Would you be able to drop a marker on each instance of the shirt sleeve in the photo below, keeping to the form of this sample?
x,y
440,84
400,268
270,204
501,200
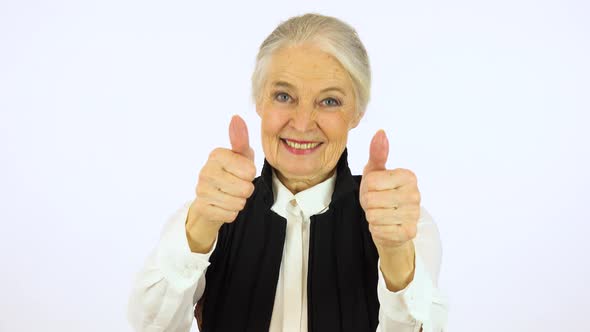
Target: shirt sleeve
x,y
171,281
421,304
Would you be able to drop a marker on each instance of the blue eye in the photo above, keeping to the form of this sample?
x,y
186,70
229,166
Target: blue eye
x,y
282,97
331,102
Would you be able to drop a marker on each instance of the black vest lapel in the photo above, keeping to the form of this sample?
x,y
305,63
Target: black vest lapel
x,y
342,274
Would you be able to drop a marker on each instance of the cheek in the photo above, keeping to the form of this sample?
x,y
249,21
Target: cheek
x,y
270,121
272,124
335,127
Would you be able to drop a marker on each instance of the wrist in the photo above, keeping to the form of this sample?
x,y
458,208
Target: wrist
x,y
397,265
396,253
201,235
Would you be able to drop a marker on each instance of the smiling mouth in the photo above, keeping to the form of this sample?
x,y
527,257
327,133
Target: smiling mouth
x,y
301,145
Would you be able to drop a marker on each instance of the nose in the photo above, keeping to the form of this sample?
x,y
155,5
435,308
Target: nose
x,y
303,119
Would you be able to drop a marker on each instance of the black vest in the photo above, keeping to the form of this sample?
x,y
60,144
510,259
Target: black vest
x,y
342,273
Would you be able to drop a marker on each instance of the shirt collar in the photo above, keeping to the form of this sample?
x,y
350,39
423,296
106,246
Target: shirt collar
x,y
312,200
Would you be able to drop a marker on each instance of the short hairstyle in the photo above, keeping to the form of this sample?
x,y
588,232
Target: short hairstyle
x,y
330,34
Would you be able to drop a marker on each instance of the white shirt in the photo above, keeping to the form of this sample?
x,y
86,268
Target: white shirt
x,y
173,278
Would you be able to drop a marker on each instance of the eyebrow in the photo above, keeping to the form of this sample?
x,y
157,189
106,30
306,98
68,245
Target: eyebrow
x,y
288,85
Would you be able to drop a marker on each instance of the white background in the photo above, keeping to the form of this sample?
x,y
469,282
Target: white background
x,y
108,109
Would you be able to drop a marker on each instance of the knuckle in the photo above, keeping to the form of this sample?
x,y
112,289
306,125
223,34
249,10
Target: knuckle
x,y
251,170
244,191
398,171
200,190
234,215
229,217
241,203
214,154
411,175
372,229
406,173
203,176
370,215
249,189
364,199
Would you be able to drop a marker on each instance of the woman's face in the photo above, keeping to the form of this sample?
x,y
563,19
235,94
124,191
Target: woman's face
x,y
307,107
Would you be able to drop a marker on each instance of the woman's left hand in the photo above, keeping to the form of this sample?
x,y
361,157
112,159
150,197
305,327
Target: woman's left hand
x,y
390,198
391,201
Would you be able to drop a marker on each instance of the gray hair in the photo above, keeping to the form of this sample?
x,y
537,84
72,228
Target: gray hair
x,y
333,36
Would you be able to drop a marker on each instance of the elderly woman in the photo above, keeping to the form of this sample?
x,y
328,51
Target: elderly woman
x,y
305,246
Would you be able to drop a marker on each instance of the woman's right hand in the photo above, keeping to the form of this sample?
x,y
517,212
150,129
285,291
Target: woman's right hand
x,y
224,185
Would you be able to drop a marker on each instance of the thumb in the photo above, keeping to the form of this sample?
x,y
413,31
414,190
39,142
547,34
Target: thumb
x,y
238,137
377,153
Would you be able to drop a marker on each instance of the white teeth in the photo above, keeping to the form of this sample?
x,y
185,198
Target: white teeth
x,y
299,146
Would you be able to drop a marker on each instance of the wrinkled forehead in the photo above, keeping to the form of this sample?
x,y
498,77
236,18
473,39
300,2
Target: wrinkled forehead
x,y
307,67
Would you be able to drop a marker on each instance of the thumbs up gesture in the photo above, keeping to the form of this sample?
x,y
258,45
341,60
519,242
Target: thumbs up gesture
x,y
390,198
224,185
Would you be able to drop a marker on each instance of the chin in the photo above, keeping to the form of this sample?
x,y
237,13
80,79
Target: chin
x,y
298,172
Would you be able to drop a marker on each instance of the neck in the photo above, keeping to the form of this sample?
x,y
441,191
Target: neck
x,y
296,185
